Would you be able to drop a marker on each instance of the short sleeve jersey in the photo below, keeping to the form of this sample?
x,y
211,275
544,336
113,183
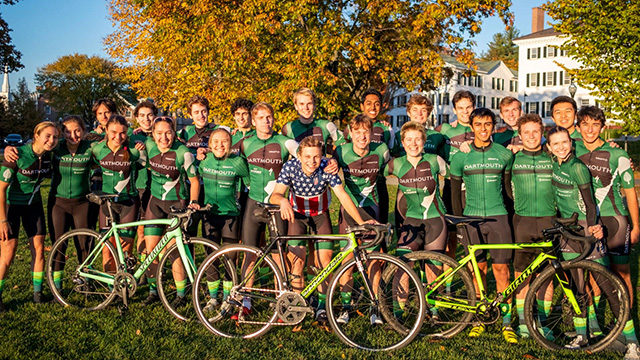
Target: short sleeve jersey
x,y
568,178
71,172
221,178
170,170
482,171
454,137
610,170
419,185
575,135
308,194
195,138
266,158
507,137
236,140
435,144
319,129
531,176
380,134
25,176
142,178
119,168
361,172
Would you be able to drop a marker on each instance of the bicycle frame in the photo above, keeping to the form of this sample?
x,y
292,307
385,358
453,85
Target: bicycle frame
x,y
471,258
176,234
336,261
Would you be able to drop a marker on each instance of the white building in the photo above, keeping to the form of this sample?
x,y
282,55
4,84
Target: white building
x,y
543,78
492,82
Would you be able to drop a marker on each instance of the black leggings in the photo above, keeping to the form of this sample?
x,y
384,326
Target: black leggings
x,y
65,214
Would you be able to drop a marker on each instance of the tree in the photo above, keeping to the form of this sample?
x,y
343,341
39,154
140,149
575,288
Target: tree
x,y
503,48
603,37
8,54
74,82
265,49
22,115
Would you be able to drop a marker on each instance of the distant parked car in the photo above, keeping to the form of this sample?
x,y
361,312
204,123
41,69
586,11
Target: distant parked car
x,y
13,140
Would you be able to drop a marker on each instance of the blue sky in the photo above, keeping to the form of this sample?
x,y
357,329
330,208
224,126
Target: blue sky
x,y
44,30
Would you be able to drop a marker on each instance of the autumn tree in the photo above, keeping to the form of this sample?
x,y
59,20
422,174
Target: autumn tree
x,y
603,37
265,49
74,82
9,56
503,48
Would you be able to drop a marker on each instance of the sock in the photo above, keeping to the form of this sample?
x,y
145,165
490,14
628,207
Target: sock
x,y
345,297
213,287
181,286
57,279
322,299
544,308
398,308
629,332
153,287
505,309
594,328
520,310
226,289
37,280
580,324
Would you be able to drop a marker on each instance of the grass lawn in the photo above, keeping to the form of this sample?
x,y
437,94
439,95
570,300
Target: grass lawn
x,y
50,331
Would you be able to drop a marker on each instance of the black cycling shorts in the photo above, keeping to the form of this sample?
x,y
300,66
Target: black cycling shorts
x,y
124,211
253,226
495,230
221,228
317,225
418,234
527,230
598,250
32,216
617,230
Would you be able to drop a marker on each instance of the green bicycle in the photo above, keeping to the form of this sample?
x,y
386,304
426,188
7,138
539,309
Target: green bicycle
x,y
93,278
558,301
258,279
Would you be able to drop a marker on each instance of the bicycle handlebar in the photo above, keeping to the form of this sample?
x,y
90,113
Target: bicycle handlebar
x,y
560,228
381,230
184,215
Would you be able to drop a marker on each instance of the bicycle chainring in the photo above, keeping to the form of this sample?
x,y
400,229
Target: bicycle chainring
x,y
487,314
285,302
126,280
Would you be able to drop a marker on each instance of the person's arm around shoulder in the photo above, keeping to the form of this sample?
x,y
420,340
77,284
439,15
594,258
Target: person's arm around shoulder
x,y
349,206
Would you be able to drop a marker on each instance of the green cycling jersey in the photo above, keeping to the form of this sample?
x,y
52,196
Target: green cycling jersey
x,y
454,137
319,129
361,172
71,172
531,176
221,178
25,176
119,168
568,179
170,170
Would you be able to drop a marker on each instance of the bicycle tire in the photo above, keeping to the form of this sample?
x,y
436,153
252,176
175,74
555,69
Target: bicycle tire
x,y
229,260
77,290
167,290
557,328
443,322
358,331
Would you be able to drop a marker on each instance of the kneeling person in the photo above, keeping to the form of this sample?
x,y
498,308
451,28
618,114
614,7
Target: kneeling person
x,y
307,209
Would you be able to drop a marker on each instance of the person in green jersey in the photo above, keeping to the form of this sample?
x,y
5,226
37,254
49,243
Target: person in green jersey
x,y
534,203
144,113
612,176
241,112
304,101
221,172
510,112
573,191
196,138
170,164
119,159
563,113
102,110
484,169
266,153
20,201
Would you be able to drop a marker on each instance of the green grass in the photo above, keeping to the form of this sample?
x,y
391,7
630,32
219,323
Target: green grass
x,y
50,331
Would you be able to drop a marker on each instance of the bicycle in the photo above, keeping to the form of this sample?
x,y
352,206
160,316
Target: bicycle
x,y
95,277
453,304
273,303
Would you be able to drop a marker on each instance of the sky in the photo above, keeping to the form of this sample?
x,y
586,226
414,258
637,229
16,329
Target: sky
x,y
44,30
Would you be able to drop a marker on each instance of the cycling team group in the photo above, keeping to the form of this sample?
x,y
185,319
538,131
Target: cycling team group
x,y
509,176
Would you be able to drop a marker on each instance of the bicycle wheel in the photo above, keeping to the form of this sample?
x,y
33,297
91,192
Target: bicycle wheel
x,y
68,285
350,306
602,298
442,321
240,309
179,303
